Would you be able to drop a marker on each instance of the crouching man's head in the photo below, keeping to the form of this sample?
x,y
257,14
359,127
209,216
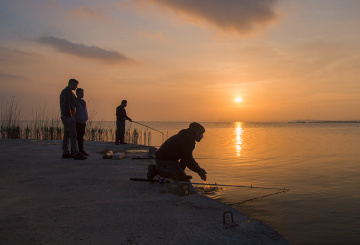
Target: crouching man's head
x,y
198,130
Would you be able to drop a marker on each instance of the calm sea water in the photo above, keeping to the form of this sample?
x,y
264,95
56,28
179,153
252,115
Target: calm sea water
x,y
318,162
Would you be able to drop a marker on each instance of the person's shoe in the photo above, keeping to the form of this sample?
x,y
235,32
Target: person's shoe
x,y
78,156
151,171
67,155
84,153
123,143
117,143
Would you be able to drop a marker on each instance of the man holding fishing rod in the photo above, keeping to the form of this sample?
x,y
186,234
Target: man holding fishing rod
x,y
121,117
175,154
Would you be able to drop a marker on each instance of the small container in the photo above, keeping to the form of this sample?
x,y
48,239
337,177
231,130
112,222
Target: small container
x,y
117,156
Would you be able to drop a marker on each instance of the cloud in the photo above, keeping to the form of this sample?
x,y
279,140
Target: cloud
x,y
87,12
84,51
240,16
16,55
10,77
152,35
12,84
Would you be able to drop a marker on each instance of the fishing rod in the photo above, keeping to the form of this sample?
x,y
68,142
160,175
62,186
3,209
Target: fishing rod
x,y
151,128
163,181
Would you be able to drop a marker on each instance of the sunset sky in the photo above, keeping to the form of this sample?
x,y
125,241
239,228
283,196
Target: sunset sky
x,y
185,60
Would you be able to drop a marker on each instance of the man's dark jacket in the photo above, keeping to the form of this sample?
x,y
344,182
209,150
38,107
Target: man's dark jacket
x,y
179,147
121,113
67,102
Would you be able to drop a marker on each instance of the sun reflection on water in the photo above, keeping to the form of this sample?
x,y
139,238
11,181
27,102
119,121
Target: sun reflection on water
x,y
238,140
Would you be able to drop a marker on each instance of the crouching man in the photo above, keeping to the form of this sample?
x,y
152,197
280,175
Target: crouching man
x,y
175,154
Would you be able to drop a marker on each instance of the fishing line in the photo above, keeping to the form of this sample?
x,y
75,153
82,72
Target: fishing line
x,y
255,198
163,181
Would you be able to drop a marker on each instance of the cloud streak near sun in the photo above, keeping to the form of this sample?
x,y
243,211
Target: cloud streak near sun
x,y
84,51
240,16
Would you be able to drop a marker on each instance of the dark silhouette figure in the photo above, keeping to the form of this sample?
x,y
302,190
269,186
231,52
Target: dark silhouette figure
x,y
68,105
81,117
175,154
121,117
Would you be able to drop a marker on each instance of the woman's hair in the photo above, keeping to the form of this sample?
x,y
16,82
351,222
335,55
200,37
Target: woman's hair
x,y
79,90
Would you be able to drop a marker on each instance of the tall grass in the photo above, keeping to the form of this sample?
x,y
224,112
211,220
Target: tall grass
x,y
43,126
10,114
48,126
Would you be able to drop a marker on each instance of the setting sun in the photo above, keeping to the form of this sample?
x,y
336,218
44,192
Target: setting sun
x,y
238,100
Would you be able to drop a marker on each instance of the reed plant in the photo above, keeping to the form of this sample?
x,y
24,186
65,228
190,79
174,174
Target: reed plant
x,y
48,126
10,123
105,131
44,126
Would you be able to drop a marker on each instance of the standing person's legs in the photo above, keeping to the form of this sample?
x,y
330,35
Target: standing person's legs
x,y
69,124
117,132
66,138
80,131
122,131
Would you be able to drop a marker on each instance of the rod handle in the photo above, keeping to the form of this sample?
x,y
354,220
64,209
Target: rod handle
x,y
146,180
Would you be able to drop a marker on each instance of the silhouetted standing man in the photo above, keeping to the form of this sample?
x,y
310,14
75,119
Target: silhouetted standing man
x,y
121,117
68,108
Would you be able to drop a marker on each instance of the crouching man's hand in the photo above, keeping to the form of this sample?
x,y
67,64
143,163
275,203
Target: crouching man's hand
x,y
202,173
